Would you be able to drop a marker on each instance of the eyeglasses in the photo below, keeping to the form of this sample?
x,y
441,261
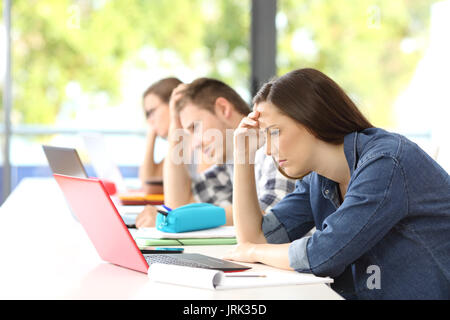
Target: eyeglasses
x,y
148,113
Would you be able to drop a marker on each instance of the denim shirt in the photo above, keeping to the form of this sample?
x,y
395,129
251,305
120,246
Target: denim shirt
x,y
389,238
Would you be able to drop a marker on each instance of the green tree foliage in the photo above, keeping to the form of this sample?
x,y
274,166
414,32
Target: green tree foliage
x,y
87,41
358,44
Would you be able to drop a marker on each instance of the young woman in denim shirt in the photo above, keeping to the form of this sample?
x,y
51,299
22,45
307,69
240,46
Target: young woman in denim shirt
x,y
379,204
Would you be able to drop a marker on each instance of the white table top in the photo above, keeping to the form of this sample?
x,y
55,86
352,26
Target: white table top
x,y
45,254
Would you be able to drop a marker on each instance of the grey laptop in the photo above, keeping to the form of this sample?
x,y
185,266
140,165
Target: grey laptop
x,y
66,161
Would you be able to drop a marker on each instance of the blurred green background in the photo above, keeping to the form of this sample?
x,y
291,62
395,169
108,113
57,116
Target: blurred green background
x,y
357,43
84,64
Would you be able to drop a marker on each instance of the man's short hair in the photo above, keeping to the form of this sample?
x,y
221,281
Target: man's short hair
x,y
203,93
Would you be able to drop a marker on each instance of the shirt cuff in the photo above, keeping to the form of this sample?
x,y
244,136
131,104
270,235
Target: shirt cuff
x,y
298,257
273,230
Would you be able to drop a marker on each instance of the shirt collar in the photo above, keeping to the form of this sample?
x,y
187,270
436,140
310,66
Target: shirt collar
x,y
329,187
330,191
350,151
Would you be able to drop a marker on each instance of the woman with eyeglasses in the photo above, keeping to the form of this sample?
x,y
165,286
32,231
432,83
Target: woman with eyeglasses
x,y
156,108
380,205
156,100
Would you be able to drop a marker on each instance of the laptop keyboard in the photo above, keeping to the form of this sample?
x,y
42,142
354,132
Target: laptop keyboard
x,y
171,259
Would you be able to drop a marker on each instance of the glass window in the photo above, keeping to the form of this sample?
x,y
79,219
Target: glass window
x,y
84,65
390,56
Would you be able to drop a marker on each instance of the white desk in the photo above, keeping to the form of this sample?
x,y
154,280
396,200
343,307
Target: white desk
x,y
45,254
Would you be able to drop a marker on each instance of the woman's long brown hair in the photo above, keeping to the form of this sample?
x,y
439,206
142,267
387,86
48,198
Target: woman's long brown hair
x,y
315,101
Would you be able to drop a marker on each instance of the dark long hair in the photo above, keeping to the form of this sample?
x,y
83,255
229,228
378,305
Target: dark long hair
x,y
317,102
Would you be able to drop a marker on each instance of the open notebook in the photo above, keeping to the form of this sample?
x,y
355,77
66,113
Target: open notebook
x,y
218,280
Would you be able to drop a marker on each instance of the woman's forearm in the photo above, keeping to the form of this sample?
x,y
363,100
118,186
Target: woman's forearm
x,y
247,216
275,255
149,169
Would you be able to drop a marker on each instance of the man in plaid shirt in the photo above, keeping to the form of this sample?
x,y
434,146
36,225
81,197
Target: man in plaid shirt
x,y
215,185
218,109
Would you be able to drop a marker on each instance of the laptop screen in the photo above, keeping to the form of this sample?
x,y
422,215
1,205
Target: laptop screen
x,y
97,214
64,161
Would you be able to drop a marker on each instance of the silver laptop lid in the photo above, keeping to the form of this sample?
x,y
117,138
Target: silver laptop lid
x,y
64,161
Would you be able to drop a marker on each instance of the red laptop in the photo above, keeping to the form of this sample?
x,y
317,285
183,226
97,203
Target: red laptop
x,y
96,212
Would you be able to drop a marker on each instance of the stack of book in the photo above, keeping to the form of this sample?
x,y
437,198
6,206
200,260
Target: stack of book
x,y
140,198
215,236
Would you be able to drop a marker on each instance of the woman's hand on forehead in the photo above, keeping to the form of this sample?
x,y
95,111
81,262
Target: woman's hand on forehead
x,y
258,107
254,115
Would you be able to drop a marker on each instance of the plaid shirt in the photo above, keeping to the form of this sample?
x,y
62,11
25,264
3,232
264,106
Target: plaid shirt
x,y
215,185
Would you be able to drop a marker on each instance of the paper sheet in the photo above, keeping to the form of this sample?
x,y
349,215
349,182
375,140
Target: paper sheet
x,y
218,280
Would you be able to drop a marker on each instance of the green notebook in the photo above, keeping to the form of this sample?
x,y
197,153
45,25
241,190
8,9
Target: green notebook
x,y
185,242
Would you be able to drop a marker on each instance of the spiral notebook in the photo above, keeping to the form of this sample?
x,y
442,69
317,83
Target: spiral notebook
x,y
218,280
